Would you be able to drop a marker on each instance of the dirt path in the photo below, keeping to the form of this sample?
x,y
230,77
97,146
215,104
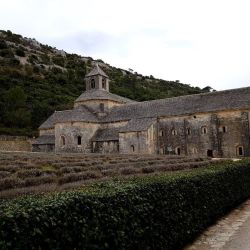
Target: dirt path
x,y
232,232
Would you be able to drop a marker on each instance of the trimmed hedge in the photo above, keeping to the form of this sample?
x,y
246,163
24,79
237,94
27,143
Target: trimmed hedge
x,y
153,212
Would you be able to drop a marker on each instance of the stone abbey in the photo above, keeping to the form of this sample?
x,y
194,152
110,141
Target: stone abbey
x,y
211,124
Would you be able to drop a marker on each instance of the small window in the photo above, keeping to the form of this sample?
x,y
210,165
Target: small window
x,y
162,151
178,150
240,151
132,148
103,83
174,132
79,140
195,151
62,141
204,130
92,83
194,116
188,131
161,133
102,107
223,129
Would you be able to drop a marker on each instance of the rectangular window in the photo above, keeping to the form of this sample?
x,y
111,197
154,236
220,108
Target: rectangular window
x,y
102,107
79,140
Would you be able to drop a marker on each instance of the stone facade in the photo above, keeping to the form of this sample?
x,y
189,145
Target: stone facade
x,y
211,124
15,143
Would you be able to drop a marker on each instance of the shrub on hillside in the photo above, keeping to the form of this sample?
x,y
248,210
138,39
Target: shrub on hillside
x,y
20,52
7,53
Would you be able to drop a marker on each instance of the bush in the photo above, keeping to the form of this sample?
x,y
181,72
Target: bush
x,y
4,174
36,181
152,212
79,176
20,52
29,173
9,183
6,53
3,44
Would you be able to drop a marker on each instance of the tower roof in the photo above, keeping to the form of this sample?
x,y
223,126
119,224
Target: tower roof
x,y
96,71
99,94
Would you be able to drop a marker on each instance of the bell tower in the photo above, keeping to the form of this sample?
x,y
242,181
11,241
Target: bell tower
x,y
97,79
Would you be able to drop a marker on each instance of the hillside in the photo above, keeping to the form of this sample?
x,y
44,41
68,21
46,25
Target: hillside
x,y
37,79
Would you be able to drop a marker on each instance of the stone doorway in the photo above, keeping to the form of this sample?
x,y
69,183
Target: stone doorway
x,y
209,153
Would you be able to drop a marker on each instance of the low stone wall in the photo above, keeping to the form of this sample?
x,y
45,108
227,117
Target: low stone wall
x,y
15,143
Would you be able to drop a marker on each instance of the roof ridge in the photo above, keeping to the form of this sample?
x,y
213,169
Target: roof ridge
x,y
202,94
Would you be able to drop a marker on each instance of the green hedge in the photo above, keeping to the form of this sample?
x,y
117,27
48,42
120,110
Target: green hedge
x,y
153,212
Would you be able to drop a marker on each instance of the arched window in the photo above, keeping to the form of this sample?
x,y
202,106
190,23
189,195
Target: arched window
x,y
239,151
188,131
79,140
204,130
162,151
178,150
92,83
132,148
62,141
174,132
104,83
161,133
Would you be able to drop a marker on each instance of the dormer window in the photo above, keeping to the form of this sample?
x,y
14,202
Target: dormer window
x,y
92,83
104,83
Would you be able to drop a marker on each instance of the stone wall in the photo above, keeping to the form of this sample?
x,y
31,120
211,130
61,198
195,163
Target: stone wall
x,y
47,131
219,134
106,147
71,132
134,142
14,143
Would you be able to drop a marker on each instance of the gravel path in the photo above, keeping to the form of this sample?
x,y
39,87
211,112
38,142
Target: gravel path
x,y
232,232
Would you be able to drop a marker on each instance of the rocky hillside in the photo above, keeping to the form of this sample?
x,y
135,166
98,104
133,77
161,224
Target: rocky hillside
x,y
37,79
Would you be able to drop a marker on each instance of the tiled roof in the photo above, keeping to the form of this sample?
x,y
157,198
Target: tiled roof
x,y
108,134
96,71
44,139
78,114
112,134
208,102
138,125
99,94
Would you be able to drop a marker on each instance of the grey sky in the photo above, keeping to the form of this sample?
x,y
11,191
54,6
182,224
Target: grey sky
x,y
199,42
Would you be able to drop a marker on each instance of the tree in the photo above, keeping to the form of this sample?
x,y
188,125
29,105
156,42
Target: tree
x,y
207,89
17,114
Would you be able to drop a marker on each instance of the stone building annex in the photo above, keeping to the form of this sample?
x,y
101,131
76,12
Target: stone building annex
x,y
212,124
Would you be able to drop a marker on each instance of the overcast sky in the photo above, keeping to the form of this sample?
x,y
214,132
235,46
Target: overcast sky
x,y
199,42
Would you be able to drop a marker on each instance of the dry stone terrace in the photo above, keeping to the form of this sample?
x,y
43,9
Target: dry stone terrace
x,y
25,173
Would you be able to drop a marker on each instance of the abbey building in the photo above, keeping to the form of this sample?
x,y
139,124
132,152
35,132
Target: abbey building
x,y
212,124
